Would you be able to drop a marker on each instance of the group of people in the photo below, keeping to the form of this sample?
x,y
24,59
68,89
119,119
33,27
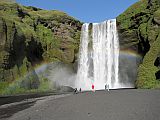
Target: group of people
x,y
93,89
76,91
106,87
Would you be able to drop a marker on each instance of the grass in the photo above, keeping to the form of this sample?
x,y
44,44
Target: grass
x,y
126,19
3,85
15,87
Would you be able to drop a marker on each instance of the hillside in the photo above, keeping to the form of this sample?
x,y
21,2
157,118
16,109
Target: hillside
x,y
139,30
30,36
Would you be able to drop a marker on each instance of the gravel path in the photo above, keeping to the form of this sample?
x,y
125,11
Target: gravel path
x,y
130,104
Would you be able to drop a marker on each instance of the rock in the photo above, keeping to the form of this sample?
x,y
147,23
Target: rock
x,y
157,62
157,74
65,89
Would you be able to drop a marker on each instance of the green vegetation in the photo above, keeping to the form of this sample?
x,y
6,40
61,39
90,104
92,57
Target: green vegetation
x,y
147,70
127,19
3,85
139,29
10,1
31,36
16,87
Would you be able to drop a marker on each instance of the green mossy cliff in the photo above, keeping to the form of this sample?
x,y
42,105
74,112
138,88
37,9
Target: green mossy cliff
x,y
139,30
30,36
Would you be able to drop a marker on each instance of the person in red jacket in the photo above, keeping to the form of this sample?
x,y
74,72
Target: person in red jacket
x,y
93,88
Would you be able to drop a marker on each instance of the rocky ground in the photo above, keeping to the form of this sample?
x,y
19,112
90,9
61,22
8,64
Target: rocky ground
x,y
131,104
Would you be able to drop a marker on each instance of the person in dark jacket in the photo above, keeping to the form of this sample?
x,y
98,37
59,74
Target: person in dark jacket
x,y
75,91
80,90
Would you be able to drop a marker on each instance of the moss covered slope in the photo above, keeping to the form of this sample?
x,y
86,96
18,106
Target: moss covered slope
x,y
139,29
30,36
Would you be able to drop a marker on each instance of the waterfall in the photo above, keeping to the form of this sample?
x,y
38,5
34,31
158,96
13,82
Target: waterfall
x,y
99,56
83,66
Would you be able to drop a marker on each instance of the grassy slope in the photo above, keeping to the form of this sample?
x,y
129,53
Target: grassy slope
x,y
138,21
33,30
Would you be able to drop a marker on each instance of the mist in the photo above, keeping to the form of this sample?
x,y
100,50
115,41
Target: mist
x,y
61,74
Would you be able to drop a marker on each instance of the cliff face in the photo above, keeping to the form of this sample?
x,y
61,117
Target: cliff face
x,y
30,36
139,29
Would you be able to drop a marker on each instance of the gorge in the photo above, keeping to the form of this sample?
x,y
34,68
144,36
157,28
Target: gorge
x,y
31,38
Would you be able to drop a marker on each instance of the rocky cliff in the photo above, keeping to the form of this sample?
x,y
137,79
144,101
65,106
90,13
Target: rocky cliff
x,y
139,30
30,36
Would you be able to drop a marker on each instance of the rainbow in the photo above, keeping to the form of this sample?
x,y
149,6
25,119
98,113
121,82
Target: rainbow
x,y
130,53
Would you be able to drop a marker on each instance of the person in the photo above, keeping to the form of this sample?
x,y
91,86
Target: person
x,y
93,88
75,91
80,90
108,87
105,86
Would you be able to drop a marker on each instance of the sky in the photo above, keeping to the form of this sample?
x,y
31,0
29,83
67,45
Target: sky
x,y
84,10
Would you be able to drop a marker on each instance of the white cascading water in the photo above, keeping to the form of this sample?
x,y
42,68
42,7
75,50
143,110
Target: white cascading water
x,y
102,66
83,66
